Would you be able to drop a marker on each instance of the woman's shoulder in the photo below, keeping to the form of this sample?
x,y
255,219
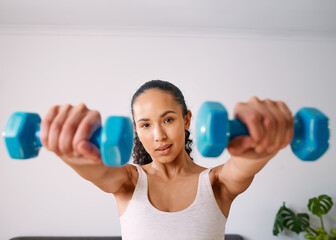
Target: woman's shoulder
x,y
133,173
214,173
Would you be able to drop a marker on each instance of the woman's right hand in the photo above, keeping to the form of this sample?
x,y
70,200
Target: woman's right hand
x,y
66,130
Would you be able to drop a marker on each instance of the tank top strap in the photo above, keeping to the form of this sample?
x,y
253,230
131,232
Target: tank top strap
x,y
205,175
141,188
205,185
140,170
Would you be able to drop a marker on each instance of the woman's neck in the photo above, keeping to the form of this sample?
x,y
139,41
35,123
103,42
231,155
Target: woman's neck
x,y
180,166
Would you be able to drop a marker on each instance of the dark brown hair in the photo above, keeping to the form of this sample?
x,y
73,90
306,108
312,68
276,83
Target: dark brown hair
x,y
140,155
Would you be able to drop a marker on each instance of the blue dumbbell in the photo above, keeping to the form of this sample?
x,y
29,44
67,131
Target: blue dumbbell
x,y
214,130
114,139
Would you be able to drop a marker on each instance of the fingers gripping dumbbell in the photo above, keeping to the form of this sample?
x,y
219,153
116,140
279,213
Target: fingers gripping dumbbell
x,y
114,139
214,130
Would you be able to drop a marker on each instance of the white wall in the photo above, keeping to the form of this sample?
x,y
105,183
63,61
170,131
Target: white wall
x,y
45,197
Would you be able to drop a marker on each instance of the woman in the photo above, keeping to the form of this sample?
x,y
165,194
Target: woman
x,y
166,195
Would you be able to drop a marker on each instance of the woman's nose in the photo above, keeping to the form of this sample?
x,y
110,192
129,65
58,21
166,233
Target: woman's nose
x,y
159,133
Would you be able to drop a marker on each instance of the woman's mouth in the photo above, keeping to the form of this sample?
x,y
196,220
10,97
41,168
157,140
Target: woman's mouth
x,y
164,150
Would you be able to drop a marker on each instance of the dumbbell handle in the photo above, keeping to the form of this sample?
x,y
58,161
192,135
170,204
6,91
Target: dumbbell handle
x,y
238,128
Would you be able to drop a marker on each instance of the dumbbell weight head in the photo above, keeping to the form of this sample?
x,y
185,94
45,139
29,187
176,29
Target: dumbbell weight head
x,y
20,135
116,141
311,134
212,129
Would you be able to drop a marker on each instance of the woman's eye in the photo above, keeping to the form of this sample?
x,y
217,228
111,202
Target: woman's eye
x,y
145,125
169,120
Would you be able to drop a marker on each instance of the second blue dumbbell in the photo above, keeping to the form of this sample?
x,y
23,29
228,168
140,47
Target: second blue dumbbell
x,y
214,130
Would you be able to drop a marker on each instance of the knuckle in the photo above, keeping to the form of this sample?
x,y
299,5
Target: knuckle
x,y
54,108
269,122
85,127
95,113
46,122
66,106
55,126
255,117
51,113
81,107
281,103
254,99
239,104
69,126
268,102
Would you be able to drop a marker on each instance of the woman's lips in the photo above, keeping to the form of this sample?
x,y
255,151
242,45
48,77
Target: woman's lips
x,y
164,150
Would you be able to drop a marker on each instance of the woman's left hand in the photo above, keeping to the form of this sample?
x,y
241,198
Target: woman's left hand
x,y
271,128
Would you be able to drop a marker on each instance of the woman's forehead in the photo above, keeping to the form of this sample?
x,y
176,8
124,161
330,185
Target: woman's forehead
x,y
153,101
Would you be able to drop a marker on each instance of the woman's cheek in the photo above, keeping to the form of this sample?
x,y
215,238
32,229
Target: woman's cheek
x,y
145,139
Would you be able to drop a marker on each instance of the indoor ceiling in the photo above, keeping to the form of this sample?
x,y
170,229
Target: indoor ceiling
x,y
312,16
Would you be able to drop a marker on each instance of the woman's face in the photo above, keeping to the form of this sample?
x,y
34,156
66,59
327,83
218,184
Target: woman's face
x,y
160,124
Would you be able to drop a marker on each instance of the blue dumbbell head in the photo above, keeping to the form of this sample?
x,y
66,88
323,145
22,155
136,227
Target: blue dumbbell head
x,y
19,135
311,134
116,141
212,129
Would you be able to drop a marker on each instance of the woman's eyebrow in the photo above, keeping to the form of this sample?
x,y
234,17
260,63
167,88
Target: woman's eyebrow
x,y
166,112
162,115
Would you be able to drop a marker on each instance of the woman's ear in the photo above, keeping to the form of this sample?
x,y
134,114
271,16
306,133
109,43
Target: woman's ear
x,y
187,120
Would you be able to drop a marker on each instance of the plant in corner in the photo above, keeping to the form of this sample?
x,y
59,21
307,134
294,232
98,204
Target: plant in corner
x,y
287,219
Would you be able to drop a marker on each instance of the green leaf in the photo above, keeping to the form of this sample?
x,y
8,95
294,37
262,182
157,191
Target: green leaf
x,y
310,236
296,223
323,237
321,234
320,205
321,231
333,231
278,223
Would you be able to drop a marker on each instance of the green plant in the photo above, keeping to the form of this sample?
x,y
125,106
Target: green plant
x,y
287,219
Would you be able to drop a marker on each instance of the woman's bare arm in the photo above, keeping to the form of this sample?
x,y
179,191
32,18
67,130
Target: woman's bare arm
x,y
66,130
270,126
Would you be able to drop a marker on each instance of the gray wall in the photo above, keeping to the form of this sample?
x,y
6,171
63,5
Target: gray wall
x,y
37,70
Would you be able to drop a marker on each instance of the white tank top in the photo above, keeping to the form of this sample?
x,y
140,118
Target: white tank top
x,y
202,220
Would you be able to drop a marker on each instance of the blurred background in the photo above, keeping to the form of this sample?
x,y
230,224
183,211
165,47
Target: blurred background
x,y
99,52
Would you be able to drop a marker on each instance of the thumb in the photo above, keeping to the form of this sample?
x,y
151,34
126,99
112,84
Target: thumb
x,y
240,144
89,151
